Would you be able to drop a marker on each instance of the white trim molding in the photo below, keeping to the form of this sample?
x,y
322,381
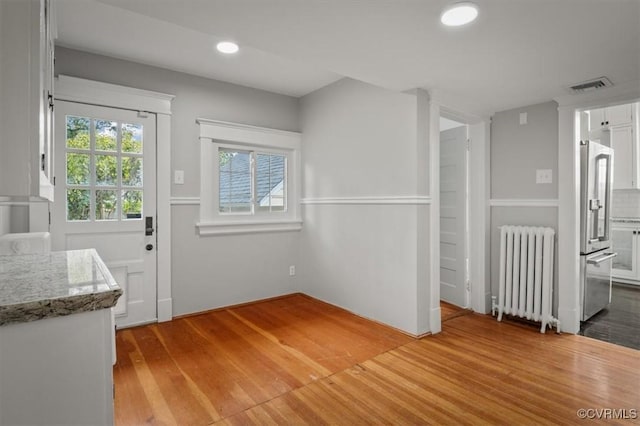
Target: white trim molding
x,y
524,202
185,201
80,90
235,228
216,135
401,199
75,89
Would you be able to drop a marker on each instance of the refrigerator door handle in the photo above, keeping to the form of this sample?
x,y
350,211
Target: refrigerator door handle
x,y
605,256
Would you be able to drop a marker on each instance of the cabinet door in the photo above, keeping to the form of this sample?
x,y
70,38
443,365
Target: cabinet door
x,y
624,242
596,119
619,115
625,167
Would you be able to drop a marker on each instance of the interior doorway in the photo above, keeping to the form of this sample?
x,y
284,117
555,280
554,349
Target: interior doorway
x,y
454,214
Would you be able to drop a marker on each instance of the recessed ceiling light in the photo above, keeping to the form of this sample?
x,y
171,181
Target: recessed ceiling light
x,y
459,14
227,47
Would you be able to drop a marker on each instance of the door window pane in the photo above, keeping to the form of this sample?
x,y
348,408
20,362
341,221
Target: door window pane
x,y
132,204
78,132
132,138
106,181
131,171
106,135
78,204
106,170
106,205
78,169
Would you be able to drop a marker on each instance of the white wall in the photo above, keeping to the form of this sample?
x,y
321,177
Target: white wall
x,y
370,257
215,271
517,150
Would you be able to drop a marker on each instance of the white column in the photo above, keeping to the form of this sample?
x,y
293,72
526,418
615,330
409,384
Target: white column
x,y
568,221
435,322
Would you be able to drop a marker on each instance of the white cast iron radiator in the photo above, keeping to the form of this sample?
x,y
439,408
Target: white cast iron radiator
x,y
526,274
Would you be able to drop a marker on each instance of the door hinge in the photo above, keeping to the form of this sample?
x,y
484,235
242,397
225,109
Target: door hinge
x,y
468,285
49,217
468,144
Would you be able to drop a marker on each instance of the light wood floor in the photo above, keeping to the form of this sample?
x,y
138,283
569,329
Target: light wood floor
x,y
299,361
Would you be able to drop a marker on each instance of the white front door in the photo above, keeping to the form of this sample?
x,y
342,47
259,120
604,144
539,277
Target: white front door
x,y
105,198
453,208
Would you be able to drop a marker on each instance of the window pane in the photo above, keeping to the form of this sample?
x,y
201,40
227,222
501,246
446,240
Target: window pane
x,y
106,170
235,181
132,204
270,172
106,135
78,202
106,205
131,171
132,138
78,132
77,169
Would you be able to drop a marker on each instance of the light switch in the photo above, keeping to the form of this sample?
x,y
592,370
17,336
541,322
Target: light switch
x,y
178,177
523,118
544,176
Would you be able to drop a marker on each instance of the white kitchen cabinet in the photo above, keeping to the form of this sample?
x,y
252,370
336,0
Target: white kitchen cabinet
x,y
26,99
604,118
57,371
625,160
625,241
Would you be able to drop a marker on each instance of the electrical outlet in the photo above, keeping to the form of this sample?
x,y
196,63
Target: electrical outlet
x,y
544,176
292,270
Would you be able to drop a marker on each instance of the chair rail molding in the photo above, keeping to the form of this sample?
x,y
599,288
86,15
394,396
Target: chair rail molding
x,y
372,200
524,202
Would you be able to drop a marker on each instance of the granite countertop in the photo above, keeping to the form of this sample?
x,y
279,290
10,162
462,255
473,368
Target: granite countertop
x,y
626,219
39,286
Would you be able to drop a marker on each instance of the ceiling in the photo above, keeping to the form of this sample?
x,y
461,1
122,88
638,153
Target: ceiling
x,y
518,52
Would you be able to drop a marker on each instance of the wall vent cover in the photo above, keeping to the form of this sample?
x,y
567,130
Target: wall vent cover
x,y
590,85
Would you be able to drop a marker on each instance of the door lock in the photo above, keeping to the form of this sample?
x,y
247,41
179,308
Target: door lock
x,y
148,226
149,247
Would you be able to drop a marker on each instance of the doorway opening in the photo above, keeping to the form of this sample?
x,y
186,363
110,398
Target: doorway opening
x,y
616,319
454,217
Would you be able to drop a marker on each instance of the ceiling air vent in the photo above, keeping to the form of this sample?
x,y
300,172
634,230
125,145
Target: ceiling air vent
x,y
588,86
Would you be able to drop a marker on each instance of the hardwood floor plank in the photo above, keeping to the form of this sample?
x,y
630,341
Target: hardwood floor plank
x,y
283,362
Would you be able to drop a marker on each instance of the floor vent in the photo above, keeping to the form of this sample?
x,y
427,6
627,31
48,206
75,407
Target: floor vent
x,y
588,86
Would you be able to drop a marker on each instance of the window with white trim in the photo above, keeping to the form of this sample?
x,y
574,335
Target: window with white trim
x,y
249,179
251,182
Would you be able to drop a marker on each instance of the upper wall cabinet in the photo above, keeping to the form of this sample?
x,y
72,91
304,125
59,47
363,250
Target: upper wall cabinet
x,y
26,99
617,127
604,118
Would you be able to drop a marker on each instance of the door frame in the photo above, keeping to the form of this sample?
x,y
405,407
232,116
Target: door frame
x,y
478,243
466,159
569,108
91,92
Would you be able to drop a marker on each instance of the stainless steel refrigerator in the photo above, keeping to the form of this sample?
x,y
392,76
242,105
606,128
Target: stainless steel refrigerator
x,y
596,176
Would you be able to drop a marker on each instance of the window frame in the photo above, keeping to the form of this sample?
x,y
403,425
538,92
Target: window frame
x,y
253,154
216,135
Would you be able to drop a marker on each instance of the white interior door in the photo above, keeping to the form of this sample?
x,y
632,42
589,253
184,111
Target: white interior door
x,y
106,196
453,216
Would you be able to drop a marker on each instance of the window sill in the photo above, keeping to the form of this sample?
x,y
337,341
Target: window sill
x,y
252,227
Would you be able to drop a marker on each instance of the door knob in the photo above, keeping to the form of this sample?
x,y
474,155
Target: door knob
x,y
149,247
